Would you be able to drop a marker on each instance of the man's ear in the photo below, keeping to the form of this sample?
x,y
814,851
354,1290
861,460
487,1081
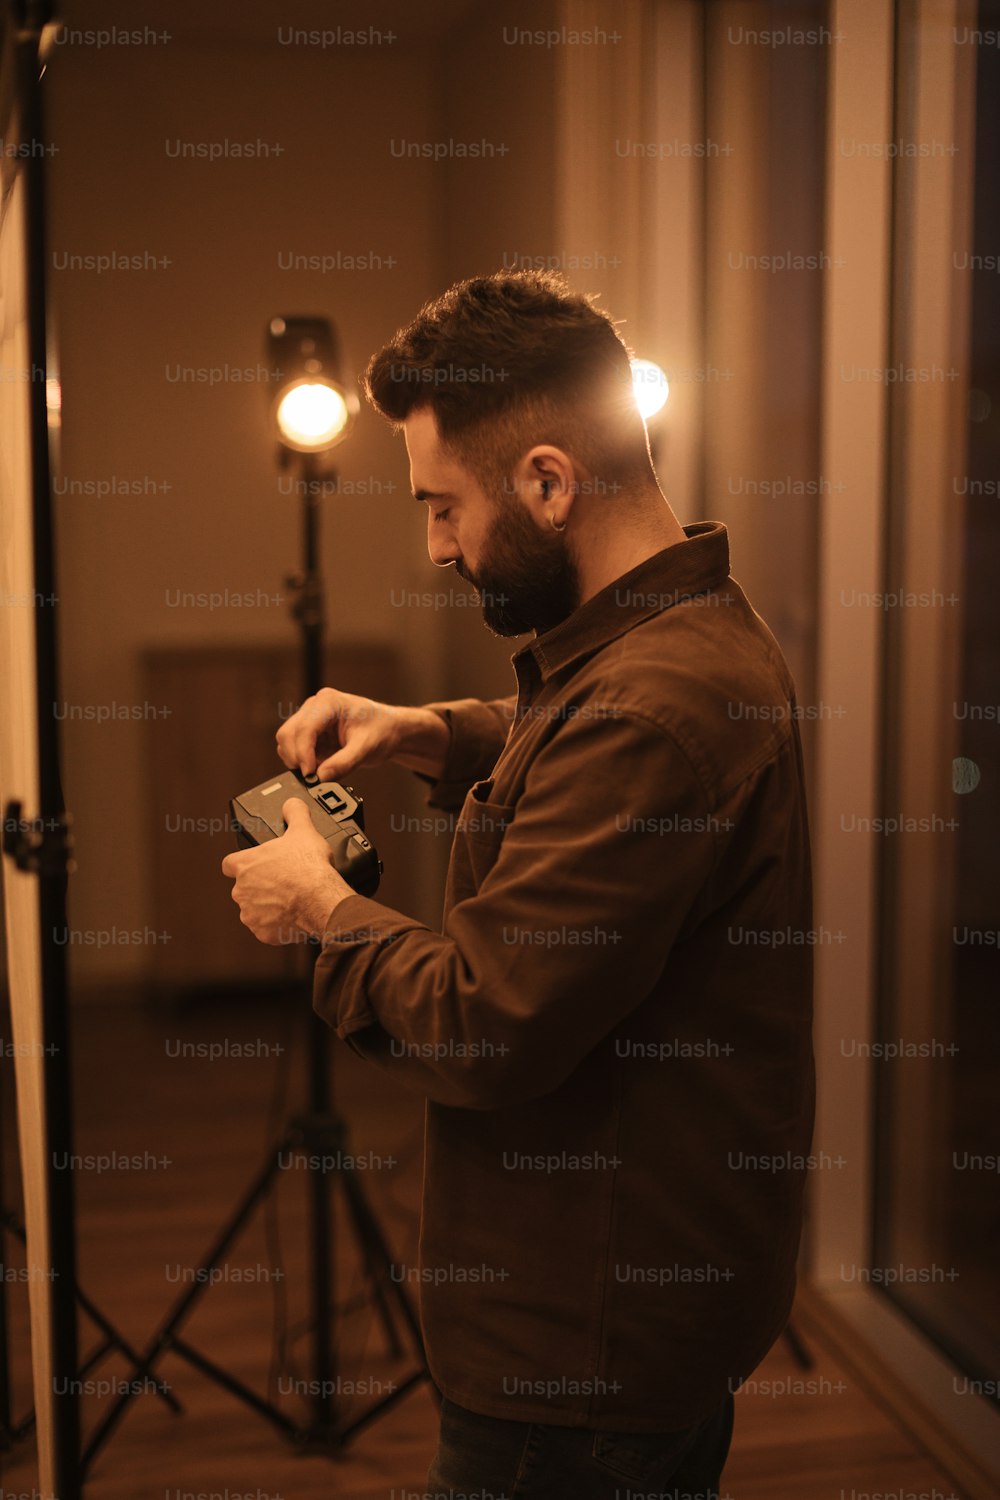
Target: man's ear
x,y
546,481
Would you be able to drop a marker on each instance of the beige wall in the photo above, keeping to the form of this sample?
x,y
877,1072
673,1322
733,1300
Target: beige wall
x,y
764,198
495,212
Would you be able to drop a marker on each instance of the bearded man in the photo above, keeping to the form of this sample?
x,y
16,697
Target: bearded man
x,y
614,1048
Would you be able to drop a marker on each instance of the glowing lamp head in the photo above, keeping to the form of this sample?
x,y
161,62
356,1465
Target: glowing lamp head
x,y
312,415
650,387
312,404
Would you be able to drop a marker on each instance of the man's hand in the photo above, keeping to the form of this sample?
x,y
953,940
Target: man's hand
x,y
334,733
287,888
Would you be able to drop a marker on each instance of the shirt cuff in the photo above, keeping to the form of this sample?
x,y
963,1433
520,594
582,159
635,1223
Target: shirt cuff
x,y
357,934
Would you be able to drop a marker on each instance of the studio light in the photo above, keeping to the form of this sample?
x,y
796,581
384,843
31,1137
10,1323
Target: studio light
x,y
314,407
650,386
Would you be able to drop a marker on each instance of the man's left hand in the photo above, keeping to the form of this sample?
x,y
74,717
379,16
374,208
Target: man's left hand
x,y
287,888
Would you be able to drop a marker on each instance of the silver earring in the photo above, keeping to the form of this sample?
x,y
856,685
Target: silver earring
x,y
555,524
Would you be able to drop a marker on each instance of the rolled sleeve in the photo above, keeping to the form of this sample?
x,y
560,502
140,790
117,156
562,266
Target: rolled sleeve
x,y
604,855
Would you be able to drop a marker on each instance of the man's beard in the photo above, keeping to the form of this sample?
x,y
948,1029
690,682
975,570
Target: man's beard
x,y
527,578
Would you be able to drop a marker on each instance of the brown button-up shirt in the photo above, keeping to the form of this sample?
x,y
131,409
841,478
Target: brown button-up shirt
x,y
613,1029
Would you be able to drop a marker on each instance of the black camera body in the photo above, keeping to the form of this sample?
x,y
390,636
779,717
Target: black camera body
x,y
337,813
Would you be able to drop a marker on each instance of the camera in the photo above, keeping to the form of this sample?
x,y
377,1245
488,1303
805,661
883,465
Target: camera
x,y
337,812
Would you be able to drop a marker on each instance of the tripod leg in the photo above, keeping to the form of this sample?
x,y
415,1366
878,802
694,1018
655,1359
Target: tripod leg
x,y
230,1383
800,1353
374,1255
114,1340
379,1263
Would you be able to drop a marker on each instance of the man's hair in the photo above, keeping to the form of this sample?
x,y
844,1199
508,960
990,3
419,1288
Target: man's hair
x,y
510,360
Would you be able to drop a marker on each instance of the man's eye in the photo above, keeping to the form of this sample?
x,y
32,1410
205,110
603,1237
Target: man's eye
x,y
442,515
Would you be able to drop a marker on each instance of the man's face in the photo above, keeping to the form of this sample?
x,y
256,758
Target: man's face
x,y
524,573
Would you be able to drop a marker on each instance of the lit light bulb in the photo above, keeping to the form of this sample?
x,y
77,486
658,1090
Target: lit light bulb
x,y
650,386
311,415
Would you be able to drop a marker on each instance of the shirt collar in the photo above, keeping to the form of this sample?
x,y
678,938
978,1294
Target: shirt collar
x,y
677,572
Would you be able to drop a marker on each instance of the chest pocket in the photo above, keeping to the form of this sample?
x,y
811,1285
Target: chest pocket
x,y
479,833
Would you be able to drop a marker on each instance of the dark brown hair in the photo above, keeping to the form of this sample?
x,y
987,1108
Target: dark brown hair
x,y
510,360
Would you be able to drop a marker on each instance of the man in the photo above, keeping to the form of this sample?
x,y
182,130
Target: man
x,y
613,1044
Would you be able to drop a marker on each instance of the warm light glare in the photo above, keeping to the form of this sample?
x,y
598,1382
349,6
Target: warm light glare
x,y
650,385
311,416
53,402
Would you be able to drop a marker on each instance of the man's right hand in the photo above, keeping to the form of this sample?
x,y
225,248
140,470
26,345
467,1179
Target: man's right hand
x,y
333,733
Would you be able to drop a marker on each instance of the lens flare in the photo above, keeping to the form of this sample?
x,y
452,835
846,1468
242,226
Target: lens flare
x,y
650,386
311,415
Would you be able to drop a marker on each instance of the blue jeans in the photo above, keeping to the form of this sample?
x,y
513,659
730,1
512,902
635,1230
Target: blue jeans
x,y
493,1459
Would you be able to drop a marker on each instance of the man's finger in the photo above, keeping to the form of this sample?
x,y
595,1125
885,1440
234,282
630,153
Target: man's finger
x,y
346,759
336,766
296,814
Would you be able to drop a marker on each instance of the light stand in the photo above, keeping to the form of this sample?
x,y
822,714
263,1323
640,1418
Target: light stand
x,y
325,1129
307,351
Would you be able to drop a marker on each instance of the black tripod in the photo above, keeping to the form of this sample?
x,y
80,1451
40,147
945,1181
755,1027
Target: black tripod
x,y
12,1432
321,1135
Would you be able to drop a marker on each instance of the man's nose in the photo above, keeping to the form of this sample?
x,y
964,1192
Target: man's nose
x,y
442,547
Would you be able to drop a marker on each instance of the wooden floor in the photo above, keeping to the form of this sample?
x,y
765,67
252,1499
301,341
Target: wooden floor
x,y
800,1435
